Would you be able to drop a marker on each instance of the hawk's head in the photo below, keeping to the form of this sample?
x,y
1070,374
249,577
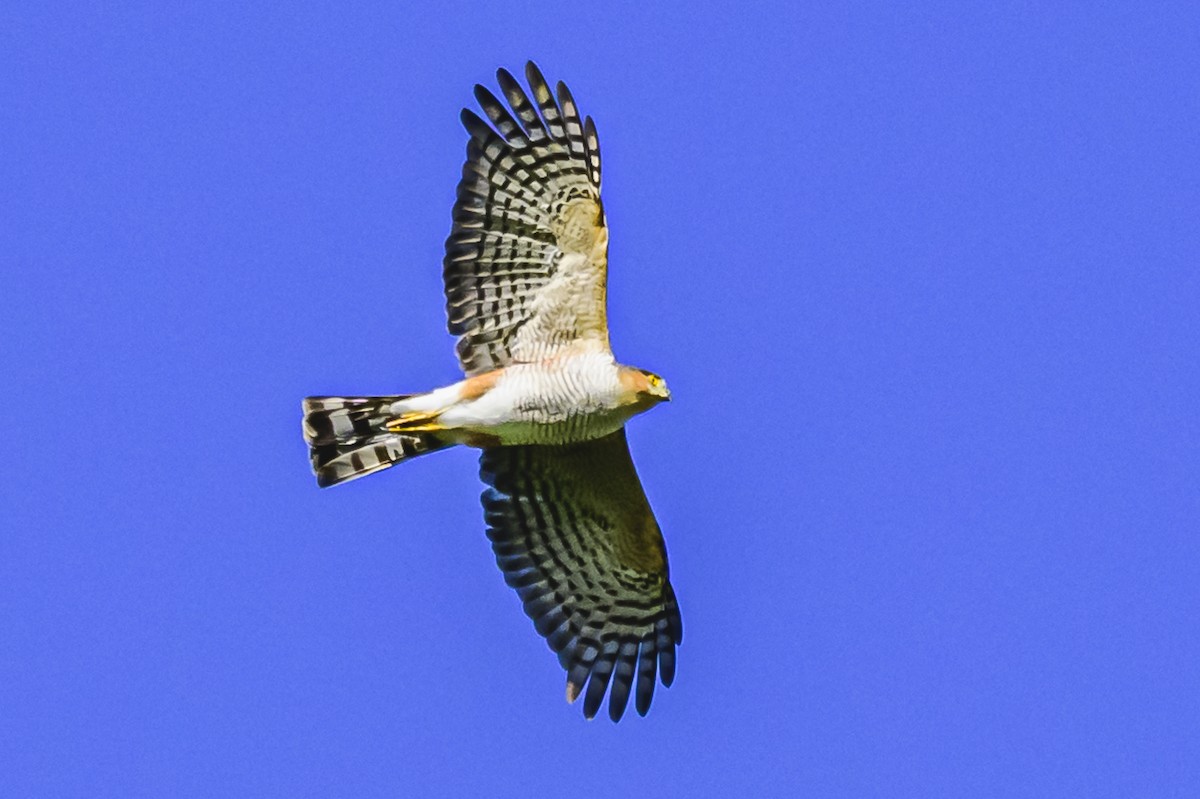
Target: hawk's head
x,y
656,387
643,388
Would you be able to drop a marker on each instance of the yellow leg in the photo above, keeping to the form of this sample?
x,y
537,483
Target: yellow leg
x,y
416,422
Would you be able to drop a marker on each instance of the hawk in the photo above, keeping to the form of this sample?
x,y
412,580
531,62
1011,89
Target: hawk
x,y
543,398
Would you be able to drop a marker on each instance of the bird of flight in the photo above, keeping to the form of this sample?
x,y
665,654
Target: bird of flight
x,y
543,398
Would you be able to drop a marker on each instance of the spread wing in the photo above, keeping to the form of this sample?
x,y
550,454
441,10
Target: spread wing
x,y
527,257
574,535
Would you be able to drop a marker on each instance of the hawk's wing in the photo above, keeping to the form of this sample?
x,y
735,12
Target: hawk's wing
x,y
527,257
574,534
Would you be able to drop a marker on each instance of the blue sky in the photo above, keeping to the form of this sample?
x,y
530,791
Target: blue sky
x,y
923,280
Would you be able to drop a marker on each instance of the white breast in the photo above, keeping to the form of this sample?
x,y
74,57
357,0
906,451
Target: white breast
x,y
569,399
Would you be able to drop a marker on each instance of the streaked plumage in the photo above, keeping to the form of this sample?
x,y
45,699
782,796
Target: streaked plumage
x,y
525,275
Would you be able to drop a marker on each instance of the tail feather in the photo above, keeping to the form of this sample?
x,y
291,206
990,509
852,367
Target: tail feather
x,y
348,438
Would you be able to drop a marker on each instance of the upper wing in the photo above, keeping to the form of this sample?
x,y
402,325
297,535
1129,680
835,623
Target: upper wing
x,y
574,534
527,257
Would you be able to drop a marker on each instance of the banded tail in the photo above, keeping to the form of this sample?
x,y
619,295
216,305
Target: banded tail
x,y
349,439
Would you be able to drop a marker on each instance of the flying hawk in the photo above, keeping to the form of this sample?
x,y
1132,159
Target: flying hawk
x,y
543,398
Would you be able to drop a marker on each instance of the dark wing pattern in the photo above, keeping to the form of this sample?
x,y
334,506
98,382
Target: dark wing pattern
x,y
574,535
526,260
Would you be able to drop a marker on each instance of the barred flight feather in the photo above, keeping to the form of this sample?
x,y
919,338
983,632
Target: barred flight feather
x,y
558,519
518,213
347,438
